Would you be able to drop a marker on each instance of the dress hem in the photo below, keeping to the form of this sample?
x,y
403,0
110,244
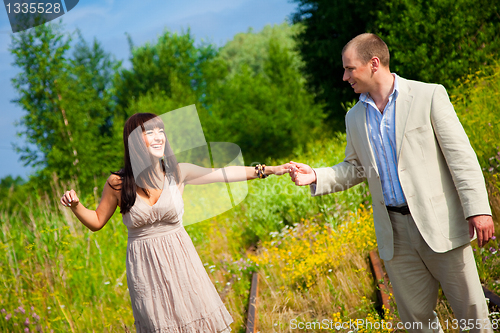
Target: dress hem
x,y
216,322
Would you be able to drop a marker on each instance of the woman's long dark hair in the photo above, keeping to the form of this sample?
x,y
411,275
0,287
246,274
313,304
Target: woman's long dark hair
x,y
135,146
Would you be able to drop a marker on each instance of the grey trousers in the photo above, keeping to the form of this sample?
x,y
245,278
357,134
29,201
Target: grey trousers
x,y
416,271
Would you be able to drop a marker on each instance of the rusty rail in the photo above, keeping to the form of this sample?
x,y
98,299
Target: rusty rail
x,y
381,279
494,298
252,305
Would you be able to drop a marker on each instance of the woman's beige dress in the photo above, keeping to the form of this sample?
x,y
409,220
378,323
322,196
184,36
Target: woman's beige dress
x,y
169,287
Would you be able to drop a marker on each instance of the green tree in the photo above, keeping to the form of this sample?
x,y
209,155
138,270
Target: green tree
x,y
102,67
440,40
328,26
40,53
172,60
268,114
263,103
433,41
68,105
8,184
258,101
252,48
13,193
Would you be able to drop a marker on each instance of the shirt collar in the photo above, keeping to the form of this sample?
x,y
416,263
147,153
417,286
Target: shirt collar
x,y
365,98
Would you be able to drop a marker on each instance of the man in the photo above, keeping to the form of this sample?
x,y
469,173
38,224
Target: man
x,y
426,184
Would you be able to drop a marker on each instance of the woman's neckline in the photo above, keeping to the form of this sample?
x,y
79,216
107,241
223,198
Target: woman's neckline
x,y
159,197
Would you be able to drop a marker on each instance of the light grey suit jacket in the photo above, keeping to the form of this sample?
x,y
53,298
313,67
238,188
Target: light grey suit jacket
x,y
437,167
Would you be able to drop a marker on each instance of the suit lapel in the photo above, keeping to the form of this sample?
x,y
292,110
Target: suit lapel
x,y
403,105
362,124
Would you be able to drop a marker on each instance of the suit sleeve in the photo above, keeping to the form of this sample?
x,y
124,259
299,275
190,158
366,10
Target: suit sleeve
x,y
342,176
460,157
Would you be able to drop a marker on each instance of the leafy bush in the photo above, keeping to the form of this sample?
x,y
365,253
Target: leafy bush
x,y
438,41
476,103
275,202
311,248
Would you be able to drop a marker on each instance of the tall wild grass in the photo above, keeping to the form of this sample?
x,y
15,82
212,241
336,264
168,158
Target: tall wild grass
x,y
311,253
476,101
56,275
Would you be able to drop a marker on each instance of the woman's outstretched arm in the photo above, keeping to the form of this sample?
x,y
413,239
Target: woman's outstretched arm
x,y
196,175
94,219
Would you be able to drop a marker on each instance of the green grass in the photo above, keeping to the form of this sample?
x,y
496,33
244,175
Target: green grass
x,y
55,269
68,279
55,275
476,102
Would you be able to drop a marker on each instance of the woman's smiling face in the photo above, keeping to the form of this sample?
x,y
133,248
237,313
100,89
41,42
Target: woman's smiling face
x,y
155,141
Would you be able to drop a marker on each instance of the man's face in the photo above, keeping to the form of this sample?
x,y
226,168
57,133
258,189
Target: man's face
x,y
358,75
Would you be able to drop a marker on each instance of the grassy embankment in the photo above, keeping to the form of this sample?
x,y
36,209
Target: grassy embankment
x,y
56,275
476,102
312,252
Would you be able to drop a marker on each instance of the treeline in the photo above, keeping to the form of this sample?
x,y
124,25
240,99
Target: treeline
x,y
439,41
270,92
77,97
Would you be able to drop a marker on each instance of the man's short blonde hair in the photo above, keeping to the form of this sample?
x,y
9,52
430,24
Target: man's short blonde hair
x,y
367,46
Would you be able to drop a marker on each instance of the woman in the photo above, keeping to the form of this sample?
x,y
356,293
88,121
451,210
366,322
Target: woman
x,y
169,287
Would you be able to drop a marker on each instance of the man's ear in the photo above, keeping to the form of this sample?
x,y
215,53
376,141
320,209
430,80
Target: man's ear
x,y
375,64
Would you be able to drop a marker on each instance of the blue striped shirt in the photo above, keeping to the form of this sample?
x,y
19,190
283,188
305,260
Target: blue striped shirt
x,y
382,133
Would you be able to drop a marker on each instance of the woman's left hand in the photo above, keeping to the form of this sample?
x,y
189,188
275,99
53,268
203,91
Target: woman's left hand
x,y
282,169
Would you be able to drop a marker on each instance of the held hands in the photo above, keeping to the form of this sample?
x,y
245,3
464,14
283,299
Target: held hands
x,y
70,199
282,169
483,224
302,174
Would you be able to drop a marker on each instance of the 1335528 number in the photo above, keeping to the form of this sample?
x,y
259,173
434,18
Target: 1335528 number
x,y
32,8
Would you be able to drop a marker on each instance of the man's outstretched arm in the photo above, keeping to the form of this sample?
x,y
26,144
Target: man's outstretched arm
x,y
327,180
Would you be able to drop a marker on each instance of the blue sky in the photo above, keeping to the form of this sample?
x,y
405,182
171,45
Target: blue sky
x,y
216,21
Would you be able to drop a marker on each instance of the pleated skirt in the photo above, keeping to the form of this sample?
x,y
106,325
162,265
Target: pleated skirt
x,y
169,288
